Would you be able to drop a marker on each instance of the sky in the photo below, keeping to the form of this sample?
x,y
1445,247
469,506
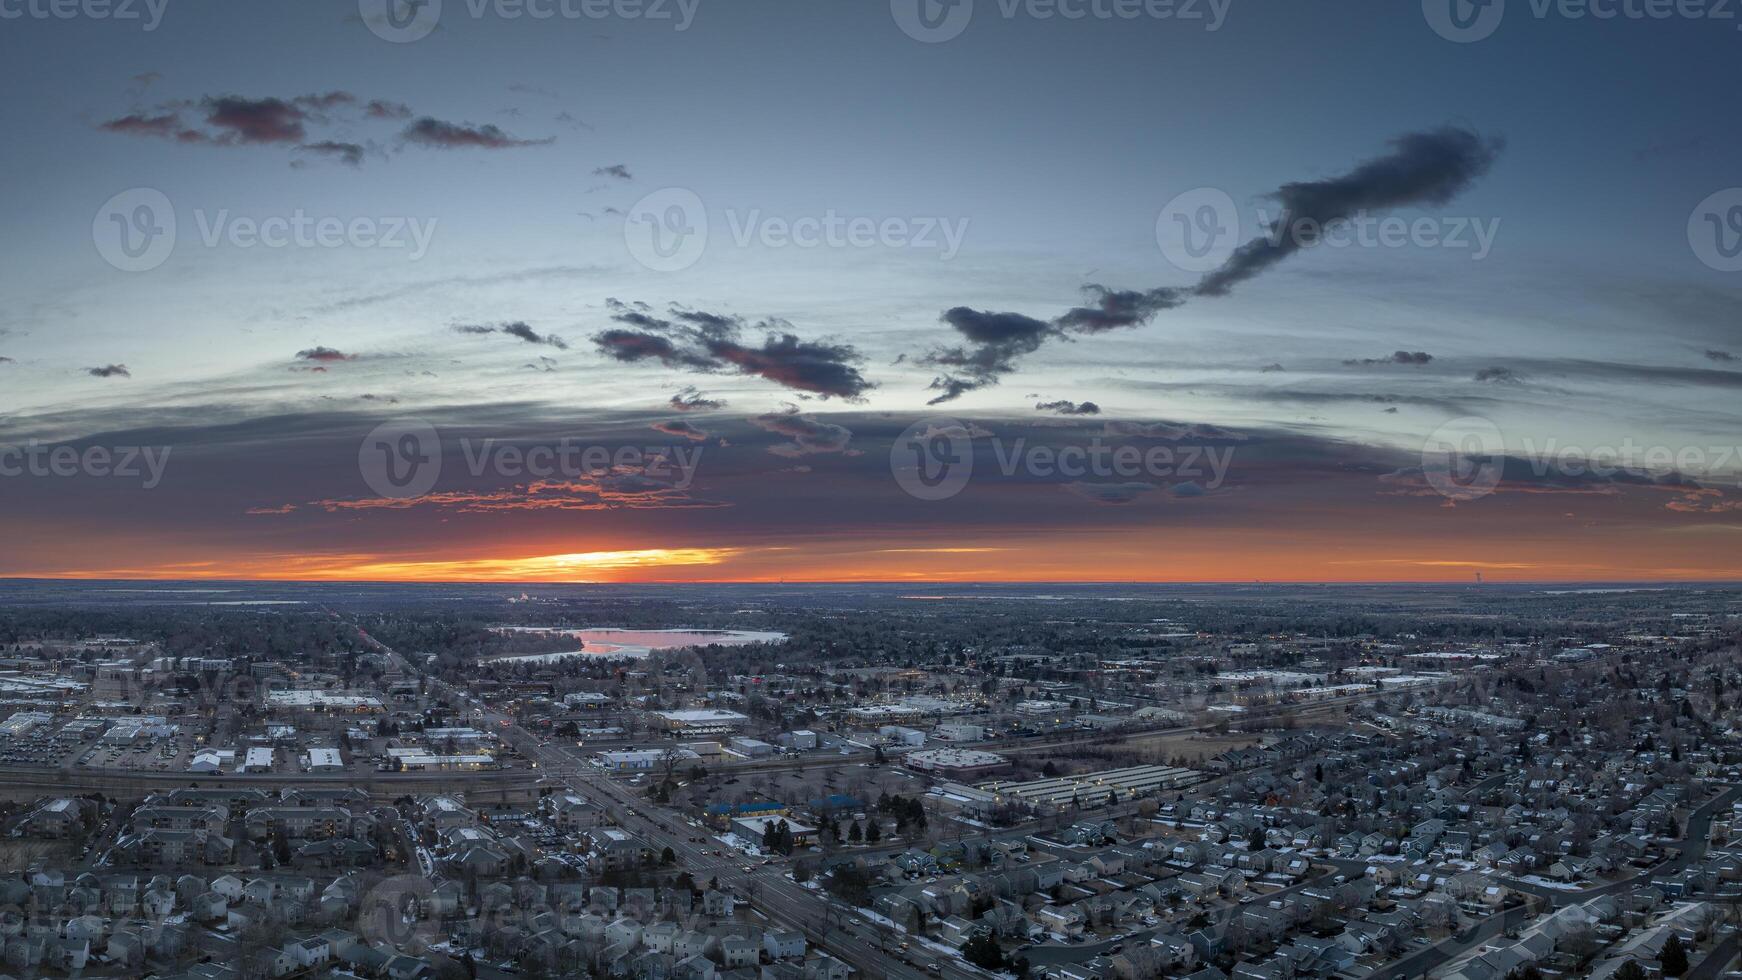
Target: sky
x,y
1098,290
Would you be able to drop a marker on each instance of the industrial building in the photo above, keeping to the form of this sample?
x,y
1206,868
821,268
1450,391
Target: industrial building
x,y
1126,783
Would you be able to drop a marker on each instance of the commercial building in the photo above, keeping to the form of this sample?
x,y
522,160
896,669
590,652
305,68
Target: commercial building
x,y
956,763
324,760
701,721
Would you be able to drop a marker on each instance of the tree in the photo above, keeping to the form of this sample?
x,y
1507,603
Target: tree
x,y
1674,957
873,833
667,856
1630,971
983,951
855,835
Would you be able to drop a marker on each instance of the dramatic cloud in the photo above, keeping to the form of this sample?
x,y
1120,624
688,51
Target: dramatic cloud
x,y
1115,309
691,400
518,328
324,354
994,342
809,436
1423,168
1064,407
681,429
109,371
698,340
432,132
1397,357
616,170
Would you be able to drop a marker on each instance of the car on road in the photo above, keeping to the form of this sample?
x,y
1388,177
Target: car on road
x,y
934,967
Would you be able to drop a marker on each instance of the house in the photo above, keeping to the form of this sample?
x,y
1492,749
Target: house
x,y
783,944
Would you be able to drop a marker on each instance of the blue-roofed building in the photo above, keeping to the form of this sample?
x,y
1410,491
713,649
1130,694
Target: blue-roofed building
x,y
836,804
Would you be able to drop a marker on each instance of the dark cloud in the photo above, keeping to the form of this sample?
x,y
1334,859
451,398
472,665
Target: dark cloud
x,y
109,371
518,328
385,109
681,429
432,132
1397,357
702,341
616,170
691,400
167,125
324,354
270,120
1720,355
1422,168
1271,368
7,360
1115,309
1065,407
994,342
1110,493
1499,375
350,154
809,435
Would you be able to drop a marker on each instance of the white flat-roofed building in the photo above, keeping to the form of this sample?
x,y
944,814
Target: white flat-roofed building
x,y
702,721
324,760
22,722
426,759
323,701
1095,787
258,759
633,759
955,762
